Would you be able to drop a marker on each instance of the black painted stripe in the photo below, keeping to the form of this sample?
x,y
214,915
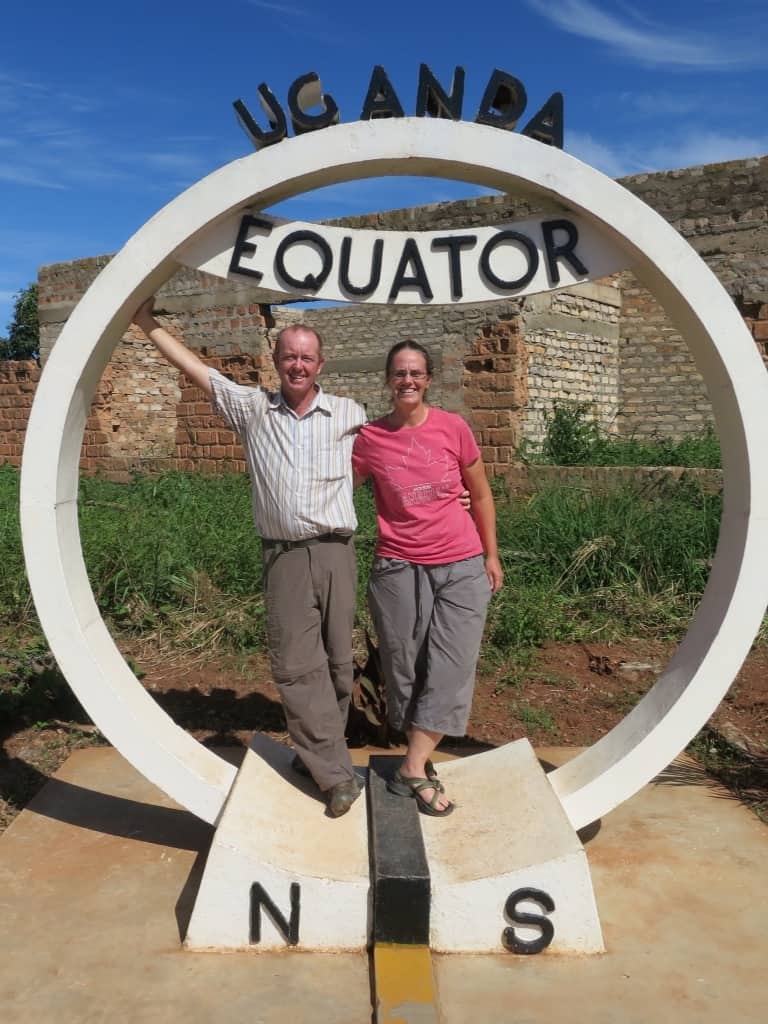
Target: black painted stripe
x,y
399,869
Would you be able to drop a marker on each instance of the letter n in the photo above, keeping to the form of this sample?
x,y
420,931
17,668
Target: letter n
x,y
288,929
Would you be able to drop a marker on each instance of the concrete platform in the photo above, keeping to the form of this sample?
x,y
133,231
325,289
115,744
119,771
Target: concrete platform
x,y
98,877
274,831
500,841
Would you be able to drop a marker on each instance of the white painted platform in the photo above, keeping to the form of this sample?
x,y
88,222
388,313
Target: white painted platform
x,y
274,831
509,832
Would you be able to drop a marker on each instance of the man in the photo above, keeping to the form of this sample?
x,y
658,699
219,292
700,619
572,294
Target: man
x,y
298,445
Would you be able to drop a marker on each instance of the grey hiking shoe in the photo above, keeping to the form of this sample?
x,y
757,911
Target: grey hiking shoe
x,y
341,796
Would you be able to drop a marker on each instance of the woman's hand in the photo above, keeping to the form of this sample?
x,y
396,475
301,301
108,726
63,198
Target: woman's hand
x,y
494,572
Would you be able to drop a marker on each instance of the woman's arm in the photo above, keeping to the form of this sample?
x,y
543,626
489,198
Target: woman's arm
x,y
484,512
171,348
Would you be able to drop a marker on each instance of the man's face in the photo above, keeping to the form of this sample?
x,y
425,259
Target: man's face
x,y
298,362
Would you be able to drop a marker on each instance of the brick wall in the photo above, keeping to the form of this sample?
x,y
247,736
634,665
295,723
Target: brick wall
x,y
495,383
18,380
146,417
609,342
499,364
756,318
357,339
722,210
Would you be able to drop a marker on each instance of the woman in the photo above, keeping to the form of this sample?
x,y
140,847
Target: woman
x,y
430,584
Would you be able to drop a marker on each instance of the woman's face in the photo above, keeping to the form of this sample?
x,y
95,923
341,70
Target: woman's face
x,y
408,378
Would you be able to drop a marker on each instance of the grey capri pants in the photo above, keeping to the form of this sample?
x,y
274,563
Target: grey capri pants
x,y
429,620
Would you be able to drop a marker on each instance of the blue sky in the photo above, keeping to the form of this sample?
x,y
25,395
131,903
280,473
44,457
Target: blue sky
x,y
108,111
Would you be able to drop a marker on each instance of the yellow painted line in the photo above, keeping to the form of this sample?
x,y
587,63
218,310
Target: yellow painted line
x,y
404,984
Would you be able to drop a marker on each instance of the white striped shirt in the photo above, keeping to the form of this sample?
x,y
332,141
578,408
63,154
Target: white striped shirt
x,y
300,466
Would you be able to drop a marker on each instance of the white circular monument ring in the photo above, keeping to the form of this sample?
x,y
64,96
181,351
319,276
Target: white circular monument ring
x,y
731,609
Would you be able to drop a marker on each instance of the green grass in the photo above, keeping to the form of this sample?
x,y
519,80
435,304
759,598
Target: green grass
x,y
534,718
179,554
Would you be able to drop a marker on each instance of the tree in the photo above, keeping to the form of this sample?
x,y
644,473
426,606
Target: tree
x,y
23,341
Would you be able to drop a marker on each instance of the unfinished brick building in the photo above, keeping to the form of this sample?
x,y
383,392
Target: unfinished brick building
x,y
502,364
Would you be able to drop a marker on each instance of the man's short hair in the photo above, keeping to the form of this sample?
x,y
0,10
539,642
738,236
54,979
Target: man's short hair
x,y
297,327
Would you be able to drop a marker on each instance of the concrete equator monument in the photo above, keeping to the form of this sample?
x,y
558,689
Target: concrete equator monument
x,y
732,606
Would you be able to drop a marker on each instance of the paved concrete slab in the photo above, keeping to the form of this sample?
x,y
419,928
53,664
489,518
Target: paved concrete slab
x,y
680,879
98,876
97,881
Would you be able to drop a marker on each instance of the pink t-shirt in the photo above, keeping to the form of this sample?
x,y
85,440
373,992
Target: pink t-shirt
x,y
416,479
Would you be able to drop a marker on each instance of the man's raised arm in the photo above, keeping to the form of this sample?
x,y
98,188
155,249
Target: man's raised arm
x,y
171,348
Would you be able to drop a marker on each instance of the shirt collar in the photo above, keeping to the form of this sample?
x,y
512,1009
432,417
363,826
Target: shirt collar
x,y
320,402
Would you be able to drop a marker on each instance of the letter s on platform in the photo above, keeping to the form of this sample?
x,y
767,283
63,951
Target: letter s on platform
x,y
509,938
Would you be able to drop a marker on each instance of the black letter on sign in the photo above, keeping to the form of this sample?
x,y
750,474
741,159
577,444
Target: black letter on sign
x,y
288,929
531,253
381,99
454,244
418,280
274,113
307,92
431,98
373,281
510,940
503,101
564,251
310,282
245,248
547,125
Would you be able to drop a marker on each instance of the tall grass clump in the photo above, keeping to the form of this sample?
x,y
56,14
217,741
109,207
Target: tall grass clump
x,y
15,600
573,438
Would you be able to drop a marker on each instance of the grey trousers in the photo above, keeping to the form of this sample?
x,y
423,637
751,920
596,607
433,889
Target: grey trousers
x,y
429,620
310,603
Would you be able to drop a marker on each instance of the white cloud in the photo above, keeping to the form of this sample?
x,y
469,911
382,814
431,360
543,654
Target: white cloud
x,y
703,148
667,104
278,8
610,161
686,149
48,142
313,26
23,174
636,37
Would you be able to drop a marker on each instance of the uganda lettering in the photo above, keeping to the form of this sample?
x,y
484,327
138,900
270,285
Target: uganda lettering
x,y
503,104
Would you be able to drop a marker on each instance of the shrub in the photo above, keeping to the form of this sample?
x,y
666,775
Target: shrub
x,y
573,438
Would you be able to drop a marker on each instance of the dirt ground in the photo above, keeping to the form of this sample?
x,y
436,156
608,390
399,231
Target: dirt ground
x,y
567,695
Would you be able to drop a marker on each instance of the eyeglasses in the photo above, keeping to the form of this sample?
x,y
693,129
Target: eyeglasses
x,y
413,374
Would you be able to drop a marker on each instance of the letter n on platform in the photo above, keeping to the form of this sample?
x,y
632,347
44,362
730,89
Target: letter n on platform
x,y
265,887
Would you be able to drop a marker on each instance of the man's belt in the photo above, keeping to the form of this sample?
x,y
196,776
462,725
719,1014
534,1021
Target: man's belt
x,y
277,546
